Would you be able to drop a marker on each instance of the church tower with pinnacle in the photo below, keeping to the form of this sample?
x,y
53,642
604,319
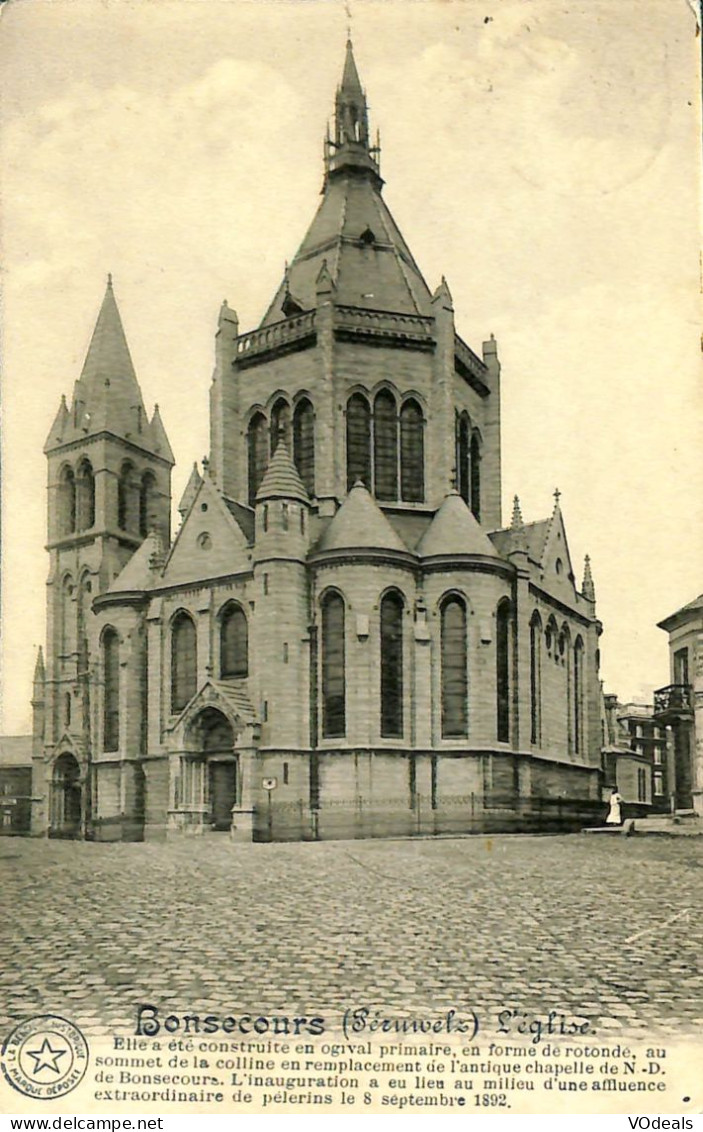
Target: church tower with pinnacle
x,y
109,485
342,640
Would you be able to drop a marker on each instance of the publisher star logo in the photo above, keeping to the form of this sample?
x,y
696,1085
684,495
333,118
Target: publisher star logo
x,y
47,1057
44,1057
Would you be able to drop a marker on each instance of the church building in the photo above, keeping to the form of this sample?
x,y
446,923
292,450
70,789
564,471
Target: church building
x,y
342,639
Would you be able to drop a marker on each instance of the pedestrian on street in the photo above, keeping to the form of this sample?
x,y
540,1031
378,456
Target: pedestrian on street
x,y
614,813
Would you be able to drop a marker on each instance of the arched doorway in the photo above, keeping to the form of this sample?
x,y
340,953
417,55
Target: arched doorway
x,y
215,767
66,796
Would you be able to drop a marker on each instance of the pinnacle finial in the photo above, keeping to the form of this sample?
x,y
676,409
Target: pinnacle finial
x,y
109,279
517,522
588,589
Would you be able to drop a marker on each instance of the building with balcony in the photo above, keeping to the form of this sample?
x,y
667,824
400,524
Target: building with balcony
x,y
343,639
678,707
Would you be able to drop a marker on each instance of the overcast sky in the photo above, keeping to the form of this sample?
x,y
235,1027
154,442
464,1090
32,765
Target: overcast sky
x,y
542,155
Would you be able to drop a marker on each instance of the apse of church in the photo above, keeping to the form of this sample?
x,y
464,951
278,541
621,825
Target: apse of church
x,y
341,640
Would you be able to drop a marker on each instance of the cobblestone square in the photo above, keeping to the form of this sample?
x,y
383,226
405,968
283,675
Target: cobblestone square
x,y
604,928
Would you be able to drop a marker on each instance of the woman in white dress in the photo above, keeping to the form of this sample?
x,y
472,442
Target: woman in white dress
x,y
614,813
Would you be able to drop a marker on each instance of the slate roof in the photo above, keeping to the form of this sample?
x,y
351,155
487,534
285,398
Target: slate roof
x,y
138,574
360,524
534,536
281,479
454,530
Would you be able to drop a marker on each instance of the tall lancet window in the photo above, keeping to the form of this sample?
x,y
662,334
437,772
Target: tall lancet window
x,y
503,617
67,501
358,441
392,666
462,458
333,667
536,679
127,499
111,675
258,451
385,446
86,496
280,424
578,696
455,717
183,661
412,453
475,476
147,503
304,443
234,660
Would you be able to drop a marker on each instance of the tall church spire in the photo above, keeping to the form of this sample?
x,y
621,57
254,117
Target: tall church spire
x,y
351,148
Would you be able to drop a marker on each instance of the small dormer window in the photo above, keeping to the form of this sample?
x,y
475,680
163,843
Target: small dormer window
x,y
559,566
368,236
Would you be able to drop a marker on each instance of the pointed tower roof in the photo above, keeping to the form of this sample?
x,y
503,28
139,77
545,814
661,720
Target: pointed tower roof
x,y
360,524
107,396
367,257
281,479
39,671
108,356
454,530
351,83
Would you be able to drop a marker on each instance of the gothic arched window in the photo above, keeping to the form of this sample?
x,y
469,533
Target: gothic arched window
x,y
183,661
304,443
67,501
535,679
412,453
503,616
475,476
333,666
126,517
67,621
111,676
454,664
462,458
280,424
392,666
147,501
233,642
358,441
385,446
578,696
85,496
258,452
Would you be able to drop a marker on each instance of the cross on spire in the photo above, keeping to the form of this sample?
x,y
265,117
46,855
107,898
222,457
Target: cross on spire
x,y
557,496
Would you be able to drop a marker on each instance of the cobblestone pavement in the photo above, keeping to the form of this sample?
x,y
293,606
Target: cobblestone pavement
x,y
608,929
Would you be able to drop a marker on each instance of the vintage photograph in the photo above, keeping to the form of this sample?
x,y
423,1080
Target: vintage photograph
x,y
352,735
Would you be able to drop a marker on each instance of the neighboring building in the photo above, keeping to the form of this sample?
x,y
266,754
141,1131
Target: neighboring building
x,y
15,784
342,640
679,706
635,756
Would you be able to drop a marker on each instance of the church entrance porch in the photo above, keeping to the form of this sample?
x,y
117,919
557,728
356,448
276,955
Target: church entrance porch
x,y
206,787
65,798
